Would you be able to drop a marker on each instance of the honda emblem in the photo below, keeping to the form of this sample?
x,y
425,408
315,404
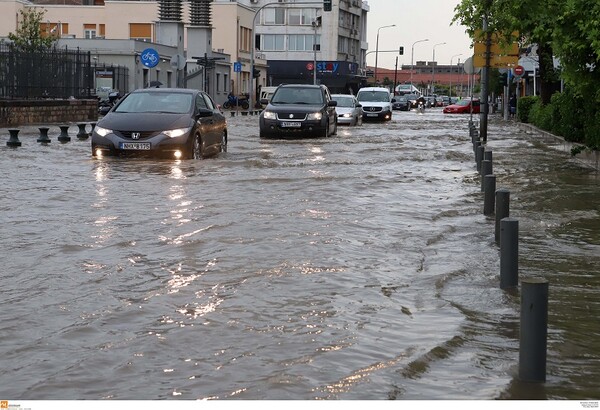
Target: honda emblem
x,y
135,135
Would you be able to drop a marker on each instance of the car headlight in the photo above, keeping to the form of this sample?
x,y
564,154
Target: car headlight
x,y
315,116
103,132
177,132
268,115
347,115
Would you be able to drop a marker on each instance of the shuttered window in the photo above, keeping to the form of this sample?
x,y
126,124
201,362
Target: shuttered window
x,y
140,31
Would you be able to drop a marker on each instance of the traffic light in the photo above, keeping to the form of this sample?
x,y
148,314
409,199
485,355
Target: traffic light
x,y
327,5
401,50
256,73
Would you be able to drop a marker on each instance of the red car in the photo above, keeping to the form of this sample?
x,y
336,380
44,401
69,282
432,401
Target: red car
x,y
463,107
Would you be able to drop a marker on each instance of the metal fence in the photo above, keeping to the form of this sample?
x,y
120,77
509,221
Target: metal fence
x,y
51,73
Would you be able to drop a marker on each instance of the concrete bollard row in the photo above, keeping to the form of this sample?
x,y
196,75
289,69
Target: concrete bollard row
x,y
534,292
43,138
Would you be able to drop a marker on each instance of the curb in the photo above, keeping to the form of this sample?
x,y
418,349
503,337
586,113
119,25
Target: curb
x,y
589,159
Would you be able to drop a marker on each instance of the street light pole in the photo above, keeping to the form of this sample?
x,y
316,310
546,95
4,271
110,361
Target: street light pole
x,y
412,54
451,58
377,47
433,69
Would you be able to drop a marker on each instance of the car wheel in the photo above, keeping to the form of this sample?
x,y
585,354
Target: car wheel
x,y
224,142
196,151
326,131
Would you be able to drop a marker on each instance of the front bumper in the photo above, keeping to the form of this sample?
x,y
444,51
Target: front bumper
x,y
283,129
158,145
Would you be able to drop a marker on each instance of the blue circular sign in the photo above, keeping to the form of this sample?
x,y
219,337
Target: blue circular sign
x,y
150,57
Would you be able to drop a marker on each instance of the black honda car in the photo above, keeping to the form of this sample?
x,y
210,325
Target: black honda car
x,y
173,123
299,110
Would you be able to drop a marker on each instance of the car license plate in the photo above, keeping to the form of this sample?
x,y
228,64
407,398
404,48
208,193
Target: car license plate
x,y
372,115
291,124
135,145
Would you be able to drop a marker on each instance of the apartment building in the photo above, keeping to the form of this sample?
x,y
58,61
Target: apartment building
x,y
243,44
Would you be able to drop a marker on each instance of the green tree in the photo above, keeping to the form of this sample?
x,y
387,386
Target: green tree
x,y
532,19
28,36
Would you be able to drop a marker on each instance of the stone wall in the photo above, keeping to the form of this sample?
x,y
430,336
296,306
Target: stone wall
x,y
15,113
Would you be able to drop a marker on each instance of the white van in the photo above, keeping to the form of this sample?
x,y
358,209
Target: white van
x,y
376,103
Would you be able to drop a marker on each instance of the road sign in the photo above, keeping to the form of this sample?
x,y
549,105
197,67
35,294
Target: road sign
x,y
149,57
310,66
519,71
497,49
237,67
496,61
178,62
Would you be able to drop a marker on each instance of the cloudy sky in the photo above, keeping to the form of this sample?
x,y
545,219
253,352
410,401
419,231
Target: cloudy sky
x,y
416,20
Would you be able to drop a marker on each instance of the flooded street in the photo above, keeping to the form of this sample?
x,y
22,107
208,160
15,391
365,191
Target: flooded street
x,y
355,267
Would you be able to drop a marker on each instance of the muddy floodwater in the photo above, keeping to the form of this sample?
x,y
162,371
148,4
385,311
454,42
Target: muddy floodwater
x,y
355,267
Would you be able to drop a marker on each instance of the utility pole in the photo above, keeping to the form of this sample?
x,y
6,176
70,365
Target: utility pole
x,y
485,76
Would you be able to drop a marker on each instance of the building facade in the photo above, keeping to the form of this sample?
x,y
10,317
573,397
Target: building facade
x,y
226,46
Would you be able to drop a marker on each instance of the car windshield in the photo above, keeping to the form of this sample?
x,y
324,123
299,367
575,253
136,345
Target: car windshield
x,y
373,96
463,103
344,101
175,103
292,95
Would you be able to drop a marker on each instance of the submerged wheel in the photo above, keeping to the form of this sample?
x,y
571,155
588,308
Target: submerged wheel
x,y
224,142
245,105
196,151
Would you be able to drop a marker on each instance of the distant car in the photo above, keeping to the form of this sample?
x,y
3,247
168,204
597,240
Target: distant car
x,y
298,110
412,100
430,102
443,100
348,109
164,122
376,103
463,107
401,103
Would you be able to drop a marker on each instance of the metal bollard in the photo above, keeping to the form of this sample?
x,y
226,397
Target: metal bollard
x,y
489,191
534,330
82,134
233,113
64,134
479,156
13,140
509,253
502,210
93,124
43,138
486,169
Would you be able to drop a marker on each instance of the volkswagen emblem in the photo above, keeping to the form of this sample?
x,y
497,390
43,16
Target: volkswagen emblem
x,y
291,115
135,135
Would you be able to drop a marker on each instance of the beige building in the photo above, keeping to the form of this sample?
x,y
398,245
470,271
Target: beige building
x,y
117,32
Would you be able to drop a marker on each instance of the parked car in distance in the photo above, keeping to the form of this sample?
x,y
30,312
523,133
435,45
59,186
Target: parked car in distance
x,y
298,110
173,123
401,103
463,107
348,109
376,103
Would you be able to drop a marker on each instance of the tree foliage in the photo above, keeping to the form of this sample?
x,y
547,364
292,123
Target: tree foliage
x,y
28,36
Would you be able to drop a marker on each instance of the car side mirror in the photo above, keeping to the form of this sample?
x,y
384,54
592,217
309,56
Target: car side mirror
x,y
332,103
203,113
358,105
264,101
393,100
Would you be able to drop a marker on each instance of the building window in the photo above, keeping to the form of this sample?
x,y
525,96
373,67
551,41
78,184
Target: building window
x,y
218,82
274,16
225,82
245,39
302,42
89,31
140,31
273,42
301,17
